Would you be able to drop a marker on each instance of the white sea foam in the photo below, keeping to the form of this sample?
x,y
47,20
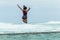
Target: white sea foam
x,y
53,22
22,28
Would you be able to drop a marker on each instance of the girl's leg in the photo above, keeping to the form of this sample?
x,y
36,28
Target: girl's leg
x,y
25,20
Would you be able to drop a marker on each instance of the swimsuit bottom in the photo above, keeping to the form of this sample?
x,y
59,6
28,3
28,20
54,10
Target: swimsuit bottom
x,y
24,17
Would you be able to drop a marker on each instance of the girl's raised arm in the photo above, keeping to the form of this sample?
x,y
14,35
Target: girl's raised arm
x,y
19,7
28,9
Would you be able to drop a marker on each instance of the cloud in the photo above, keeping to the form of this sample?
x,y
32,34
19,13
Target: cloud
x,y
45,3
7,2
40,3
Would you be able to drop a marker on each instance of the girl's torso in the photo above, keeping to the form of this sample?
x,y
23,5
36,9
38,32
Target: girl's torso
x,y
24,12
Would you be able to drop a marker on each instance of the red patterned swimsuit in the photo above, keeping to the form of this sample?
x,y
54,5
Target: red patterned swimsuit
x,y
24,14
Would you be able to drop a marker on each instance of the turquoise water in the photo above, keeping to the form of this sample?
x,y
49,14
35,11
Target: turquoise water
x,y
49,36
27,28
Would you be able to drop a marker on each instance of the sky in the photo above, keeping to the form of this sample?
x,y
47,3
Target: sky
x,y
41,11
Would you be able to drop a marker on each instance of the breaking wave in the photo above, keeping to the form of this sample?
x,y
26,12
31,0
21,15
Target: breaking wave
x,y
22,28
53,22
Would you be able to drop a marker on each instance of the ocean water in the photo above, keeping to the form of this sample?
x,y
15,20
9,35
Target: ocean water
x,y
26,31
49,36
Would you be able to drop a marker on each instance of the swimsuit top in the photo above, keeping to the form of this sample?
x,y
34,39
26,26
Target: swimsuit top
x,y
24,12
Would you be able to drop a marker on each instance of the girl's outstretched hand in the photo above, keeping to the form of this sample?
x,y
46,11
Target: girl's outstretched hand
x,y
19,7
28,9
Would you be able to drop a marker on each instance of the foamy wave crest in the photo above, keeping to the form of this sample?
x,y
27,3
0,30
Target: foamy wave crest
x,y
23,28
53,22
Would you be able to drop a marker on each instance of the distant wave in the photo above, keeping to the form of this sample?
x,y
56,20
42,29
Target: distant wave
x,y
23,28
53,22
